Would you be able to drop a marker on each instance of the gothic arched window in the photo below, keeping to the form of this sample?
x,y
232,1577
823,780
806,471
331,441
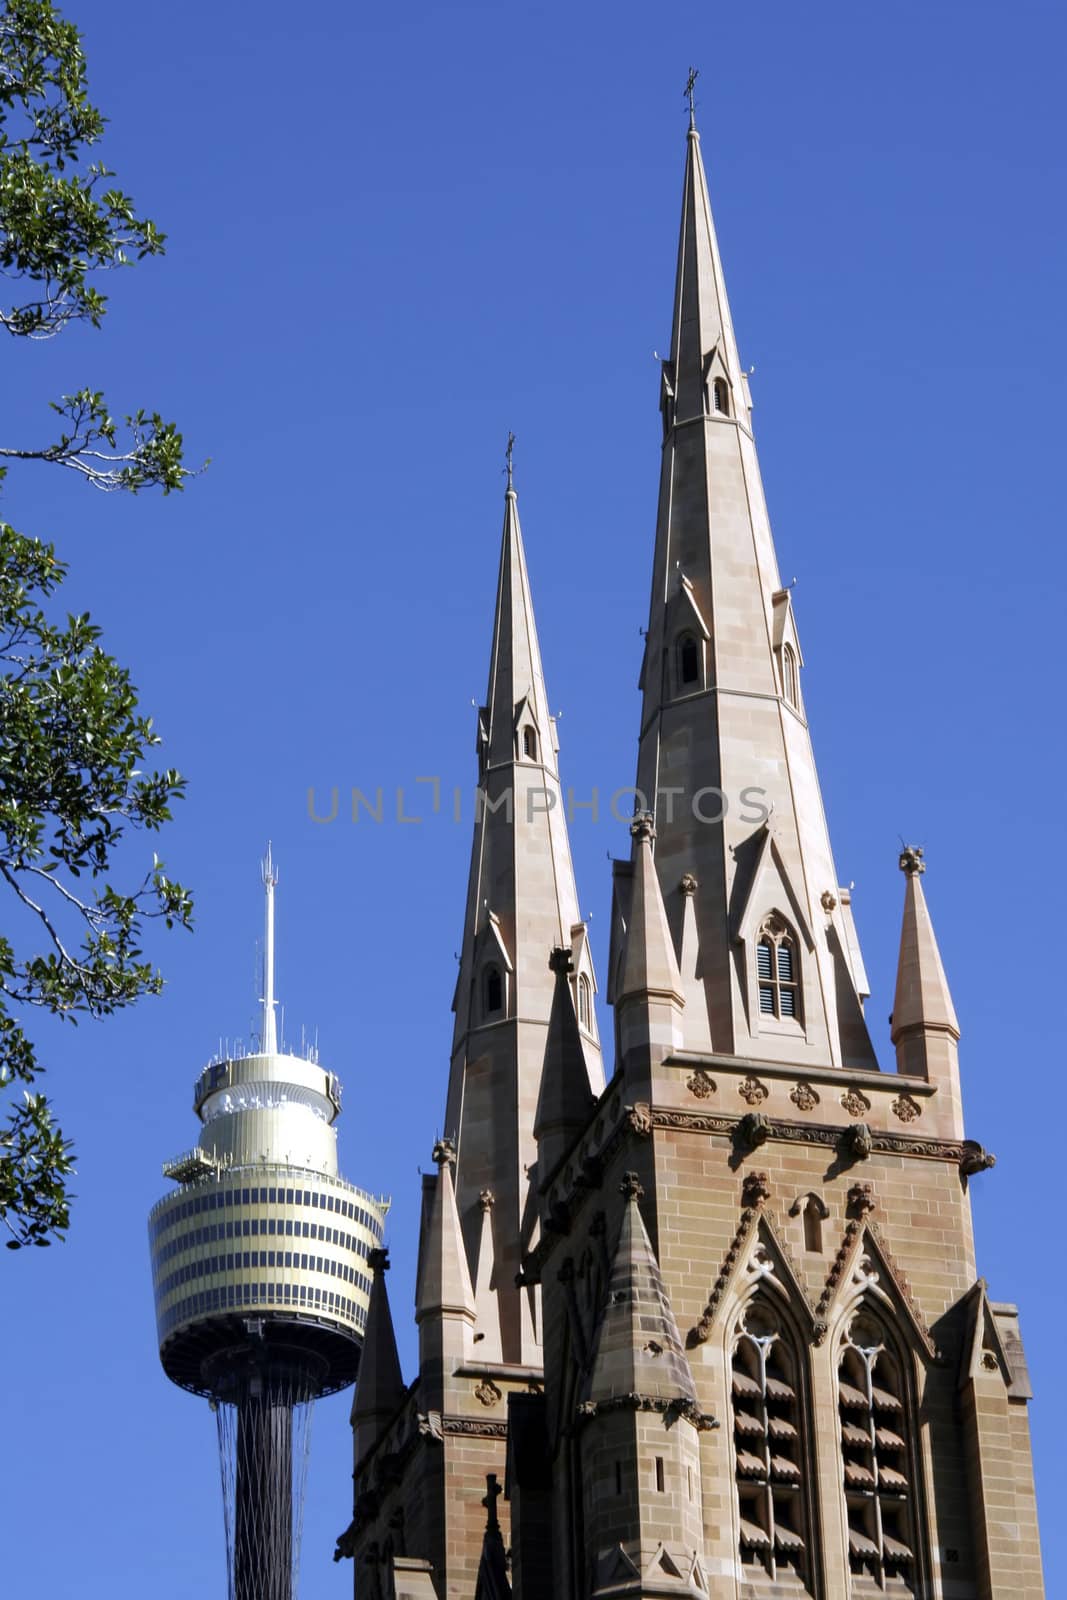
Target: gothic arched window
x,y
789,675
529,744
585,1002
492,990
769,1458
722,396
777,970
877,1460
688,659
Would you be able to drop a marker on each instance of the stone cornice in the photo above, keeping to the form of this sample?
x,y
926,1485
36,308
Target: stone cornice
x,y
901,1144
845,1077
474,1427
502,1370
682,1406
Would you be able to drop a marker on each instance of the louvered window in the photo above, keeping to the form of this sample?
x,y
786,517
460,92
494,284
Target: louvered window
x,y
777,977
529,744
769,1462
877,1468
721,396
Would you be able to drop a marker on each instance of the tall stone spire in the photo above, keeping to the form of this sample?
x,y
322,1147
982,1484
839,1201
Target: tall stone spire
x,y
521,905
924,1027
725,759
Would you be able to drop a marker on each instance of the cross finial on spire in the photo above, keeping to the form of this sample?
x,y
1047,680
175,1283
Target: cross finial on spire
x,y
508,457
911,860
690,87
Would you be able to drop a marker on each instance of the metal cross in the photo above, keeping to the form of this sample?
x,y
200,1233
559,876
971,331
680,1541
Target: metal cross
x,y
508,455
691,81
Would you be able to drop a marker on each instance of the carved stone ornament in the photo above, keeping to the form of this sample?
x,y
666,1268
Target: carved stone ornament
x,y
487,1392
975,1158
855,1104
804,1096
753,1129
630,1187
688,884
906,1108
990,1362
755,1189
752,1092
639,1119
378,1260
444,1153
828,901
561,960
861,1201
857,1141
700,1084
643,826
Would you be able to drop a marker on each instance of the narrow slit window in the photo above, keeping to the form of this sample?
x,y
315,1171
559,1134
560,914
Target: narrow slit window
x,y
493,991
659,1474
585,1002
529,744
789,675
812,1226
721,396
688,660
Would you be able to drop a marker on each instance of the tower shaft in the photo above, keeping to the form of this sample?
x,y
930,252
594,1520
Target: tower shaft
x,y
263,1510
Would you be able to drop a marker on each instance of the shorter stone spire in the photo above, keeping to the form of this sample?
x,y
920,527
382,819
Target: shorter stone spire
x,y
638,1350
922,1004
565,1100
650,966
487,1309
924,1028
380,1384
445,1279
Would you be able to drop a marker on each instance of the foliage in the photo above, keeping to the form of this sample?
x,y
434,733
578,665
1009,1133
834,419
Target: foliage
x,y
71,734
61,227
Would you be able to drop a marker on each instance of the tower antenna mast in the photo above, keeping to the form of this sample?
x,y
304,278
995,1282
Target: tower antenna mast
x,y
269,1031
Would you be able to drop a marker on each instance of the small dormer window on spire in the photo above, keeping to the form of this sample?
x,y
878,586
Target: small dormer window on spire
x,y
790,682
492,991
688,661
777,971
585,1003
720,394
529,743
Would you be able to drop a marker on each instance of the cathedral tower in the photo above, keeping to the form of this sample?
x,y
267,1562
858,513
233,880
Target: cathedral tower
x,y
716,1325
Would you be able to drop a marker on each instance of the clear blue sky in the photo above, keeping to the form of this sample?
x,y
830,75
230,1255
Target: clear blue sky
x,y
395,234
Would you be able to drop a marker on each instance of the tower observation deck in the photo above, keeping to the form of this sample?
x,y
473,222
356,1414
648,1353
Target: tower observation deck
x,y
259,1267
